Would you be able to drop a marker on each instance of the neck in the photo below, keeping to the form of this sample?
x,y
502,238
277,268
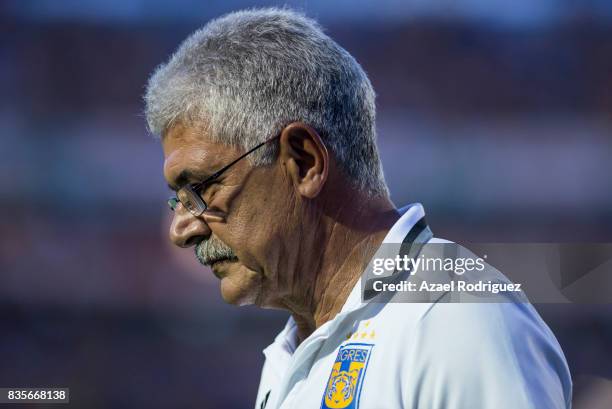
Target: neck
x,y
353,235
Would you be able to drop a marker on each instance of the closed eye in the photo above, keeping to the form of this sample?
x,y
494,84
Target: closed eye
x,y
202,188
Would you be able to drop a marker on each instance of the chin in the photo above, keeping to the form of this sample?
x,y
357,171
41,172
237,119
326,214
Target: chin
x,y
240,286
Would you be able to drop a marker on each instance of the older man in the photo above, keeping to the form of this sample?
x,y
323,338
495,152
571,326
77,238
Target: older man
x,y
268,132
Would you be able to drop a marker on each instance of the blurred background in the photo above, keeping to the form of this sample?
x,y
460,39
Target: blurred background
x,y
496,115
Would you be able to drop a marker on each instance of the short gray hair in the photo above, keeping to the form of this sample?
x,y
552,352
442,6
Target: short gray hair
x,y
246,75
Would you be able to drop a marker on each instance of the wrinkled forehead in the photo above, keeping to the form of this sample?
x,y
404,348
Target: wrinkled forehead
x,y
188,149
179,137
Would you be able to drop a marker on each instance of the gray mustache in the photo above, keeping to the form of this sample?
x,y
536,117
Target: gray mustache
x,y
211,250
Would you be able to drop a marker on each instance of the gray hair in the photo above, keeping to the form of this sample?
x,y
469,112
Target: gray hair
x,y
244,76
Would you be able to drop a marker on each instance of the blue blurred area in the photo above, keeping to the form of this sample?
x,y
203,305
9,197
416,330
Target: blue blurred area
x,y
516,13
494,114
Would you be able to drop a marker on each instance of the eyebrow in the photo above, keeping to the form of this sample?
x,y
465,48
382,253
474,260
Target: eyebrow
x,y
186,177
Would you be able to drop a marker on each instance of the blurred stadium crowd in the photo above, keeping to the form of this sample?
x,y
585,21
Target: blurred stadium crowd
x,y
499,123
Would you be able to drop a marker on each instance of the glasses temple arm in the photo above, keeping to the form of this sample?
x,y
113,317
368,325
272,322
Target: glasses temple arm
x,y
232,163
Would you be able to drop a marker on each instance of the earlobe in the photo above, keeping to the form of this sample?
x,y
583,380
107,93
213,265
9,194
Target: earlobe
x,y
306,158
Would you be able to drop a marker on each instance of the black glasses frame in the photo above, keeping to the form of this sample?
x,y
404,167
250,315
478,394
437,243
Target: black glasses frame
x,y
190,195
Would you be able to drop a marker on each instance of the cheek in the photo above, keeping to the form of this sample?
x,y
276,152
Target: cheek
x,y
252,230
259,220
241,286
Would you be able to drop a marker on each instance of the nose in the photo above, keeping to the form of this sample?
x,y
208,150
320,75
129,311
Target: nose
x,y
187,230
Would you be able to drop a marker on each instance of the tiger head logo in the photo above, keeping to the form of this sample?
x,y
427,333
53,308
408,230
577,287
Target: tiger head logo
x,y
342,385
346,378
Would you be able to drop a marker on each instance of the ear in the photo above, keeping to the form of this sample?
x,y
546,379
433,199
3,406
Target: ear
x,y
303,152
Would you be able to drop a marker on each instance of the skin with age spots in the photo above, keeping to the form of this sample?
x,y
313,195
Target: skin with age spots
x,y
300,233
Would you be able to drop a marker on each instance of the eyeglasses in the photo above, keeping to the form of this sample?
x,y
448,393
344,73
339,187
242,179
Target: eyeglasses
x,y
190,195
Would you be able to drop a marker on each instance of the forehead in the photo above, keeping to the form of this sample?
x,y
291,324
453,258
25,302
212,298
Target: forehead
x,y
180,137
189,149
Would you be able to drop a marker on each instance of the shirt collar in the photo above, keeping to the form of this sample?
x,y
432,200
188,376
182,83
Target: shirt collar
x,y
410,215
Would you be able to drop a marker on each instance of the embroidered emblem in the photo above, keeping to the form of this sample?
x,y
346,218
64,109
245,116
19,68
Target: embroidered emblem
x,y
344,384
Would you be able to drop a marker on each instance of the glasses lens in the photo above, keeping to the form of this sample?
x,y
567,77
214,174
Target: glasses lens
x,y
172,203
191,200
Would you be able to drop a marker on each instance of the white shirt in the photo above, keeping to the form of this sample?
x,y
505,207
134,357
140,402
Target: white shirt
x,y
418,355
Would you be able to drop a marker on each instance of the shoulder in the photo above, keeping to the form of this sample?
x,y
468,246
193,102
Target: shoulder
x,y
482,353
467,325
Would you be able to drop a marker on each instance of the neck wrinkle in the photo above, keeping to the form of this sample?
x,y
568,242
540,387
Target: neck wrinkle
x,y
345,255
